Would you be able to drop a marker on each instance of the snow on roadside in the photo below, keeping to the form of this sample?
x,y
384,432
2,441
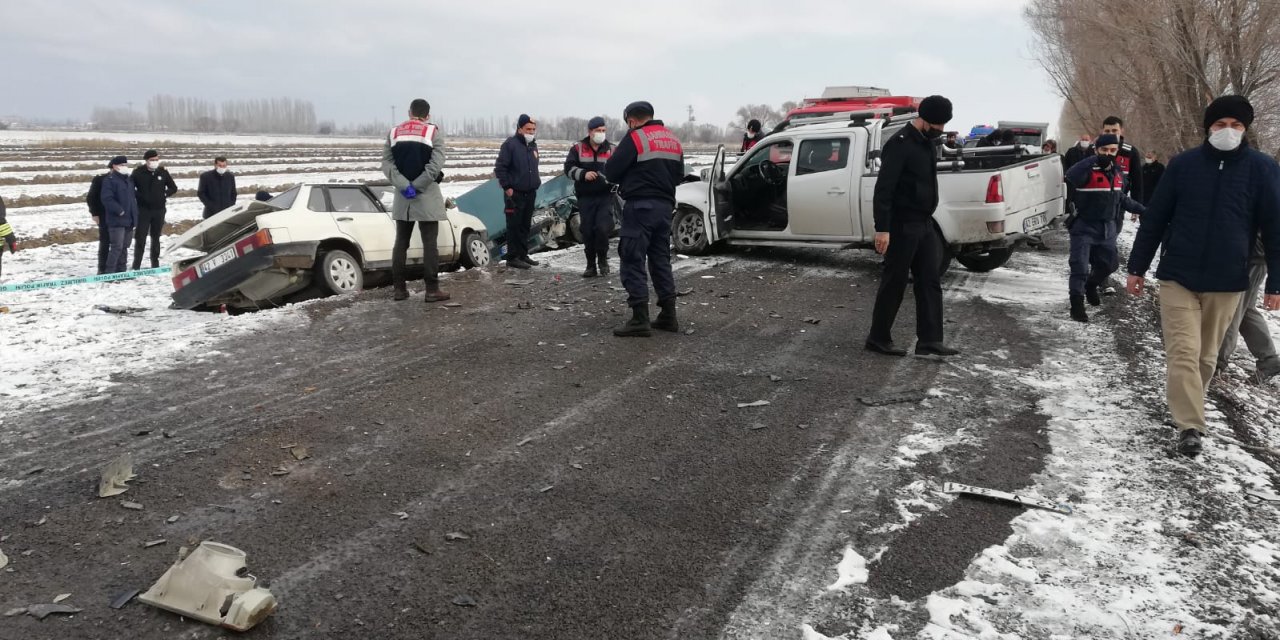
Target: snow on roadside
x,y
59,347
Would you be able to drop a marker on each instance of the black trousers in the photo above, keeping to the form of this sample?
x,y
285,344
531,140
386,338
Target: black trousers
x,y
916,250
430,252
150,223
519,223
595,218
645,242
104,244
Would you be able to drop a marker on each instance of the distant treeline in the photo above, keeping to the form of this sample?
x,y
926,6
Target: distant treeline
x,y
173,113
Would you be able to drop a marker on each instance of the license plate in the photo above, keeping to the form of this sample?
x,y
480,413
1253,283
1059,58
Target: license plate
x,y
1037,221
217,260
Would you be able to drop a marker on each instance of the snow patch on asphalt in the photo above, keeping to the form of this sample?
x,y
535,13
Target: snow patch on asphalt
x,y
851,570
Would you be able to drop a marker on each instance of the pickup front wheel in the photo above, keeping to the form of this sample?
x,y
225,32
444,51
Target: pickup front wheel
x,y
689,232
985,261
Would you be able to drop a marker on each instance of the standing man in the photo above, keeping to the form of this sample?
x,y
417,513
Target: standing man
x,y
120,208
1099,192
953,140
753,136
1077,153
7,237
1206,215
906,196
1152,171
155,187
517,173
217,188
94,200
585,166
412,159
649,164
1129,160
1250,324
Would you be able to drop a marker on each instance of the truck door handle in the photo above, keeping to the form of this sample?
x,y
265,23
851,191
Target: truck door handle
x,y
346,219
836,192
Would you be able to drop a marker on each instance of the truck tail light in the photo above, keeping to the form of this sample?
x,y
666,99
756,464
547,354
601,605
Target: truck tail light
x,y
995,190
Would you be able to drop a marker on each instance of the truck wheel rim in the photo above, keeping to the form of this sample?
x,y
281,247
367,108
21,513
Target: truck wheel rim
x,y
690,231
343,274
479,252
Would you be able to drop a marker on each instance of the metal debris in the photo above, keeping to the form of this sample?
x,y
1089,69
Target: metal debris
x,y
757,403
4,560
15,612
402,515
32,471
172,519
456,535
464,600
895,397
42,520
153,543
42,611
1263,495
813,320
518,283
1039,503
422,548
131,505
124,598
299,453
212,585
60,597
115,475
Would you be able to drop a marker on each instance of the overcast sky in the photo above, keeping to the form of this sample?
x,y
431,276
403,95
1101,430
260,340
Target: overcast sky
x,y
354,59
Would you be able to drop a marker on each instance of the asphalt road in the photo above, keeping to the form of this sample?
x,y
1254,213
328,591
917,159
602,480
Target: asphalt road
x,y
606,487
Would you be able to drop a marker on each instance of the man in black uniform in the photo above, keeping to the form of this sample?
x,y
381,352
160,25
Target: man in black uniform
x,y
648,163
906,196
99,215
585,166
1129,160
155,186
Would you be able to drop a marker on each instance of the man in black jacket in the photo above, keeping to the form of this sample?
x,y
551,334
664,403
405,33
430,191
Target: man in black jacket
x,y
7,237
906,195
517,173
585,166
1211,205
648,164
155,186
217,188
1129,160
1152,171
98,213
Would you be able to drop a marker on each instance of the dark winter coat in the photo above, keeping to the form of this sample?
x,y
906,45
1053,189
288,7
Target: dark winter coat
x,y
907,187
119,202
517,166
217,191
1151,174
1099,193
94,199
583,159
6,231
1204,217
154,187
648,163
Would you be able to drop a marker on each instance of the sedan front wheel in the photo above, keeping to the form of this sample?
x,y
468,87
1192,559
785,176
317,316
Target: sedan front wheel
x,y
339,273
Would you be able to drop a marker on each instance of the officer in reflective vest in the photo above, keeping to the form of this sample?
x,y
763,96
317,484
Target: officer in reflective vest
x,y
649,164
585,166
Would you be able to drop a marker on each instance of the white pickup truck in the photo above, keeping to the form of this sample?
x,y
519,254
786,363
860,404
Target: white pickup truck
x,y
812,185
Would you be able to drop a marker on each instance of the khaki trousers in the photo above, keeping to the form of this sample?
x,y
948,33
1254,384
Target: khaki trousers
x,y
1194,325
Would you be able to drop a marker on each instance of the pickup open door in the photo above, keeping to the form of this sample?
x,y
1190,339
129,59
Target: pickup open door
x,y
719,216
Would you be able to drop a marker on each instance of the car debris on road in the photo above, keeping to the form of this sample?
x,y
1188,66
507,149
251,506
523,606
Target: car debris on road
x,y
1039,503
115,475
211,584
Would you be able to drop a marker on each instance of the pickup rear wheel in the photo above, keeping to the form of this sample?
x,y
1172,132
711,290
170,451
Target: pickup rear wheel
x,y
338,273
689,232
985,261
475,252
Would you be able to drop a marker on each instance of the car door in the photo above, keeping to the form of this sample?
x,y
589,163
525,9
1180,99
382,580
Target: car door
x,y
360,217
447,242
718,214
821,190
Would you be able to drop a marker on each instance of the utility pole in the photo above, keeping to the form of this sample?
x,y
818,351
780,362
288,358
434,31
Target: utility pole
x,y
691,116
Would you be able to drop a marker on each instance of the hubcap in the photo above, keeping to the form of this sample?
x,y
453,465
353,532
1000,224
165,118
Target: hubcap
x,y
343,274
690,231
479,252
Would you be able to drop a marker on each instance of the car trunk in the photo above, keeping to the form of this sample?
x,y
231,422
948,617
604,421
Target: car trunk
x,y
227,225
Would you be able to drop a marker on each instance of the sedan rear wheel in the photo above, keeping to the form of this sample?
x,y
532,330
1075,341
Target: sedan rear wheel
x,y
338,273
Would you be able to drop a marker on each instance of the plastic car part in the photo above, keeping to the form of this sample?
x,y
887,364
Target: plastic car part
x,y
115,476
211,584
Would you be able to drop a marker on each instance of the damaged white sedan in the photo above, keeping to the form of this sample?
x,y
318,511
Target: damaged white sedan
x,y
328,238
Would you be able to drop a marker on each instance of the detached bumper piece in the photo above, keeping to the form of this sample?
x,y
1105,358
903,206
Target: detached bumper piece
x,y
212,585
227,277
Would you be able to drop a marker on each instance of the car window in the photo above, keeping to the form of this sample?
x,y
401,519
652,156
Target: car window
x,y
286,199
351,200
317,202
817,156
776,152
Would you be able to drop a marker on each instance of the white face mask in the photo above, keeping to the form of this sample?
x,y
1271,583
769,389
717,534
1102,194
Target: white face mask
x,y
153,164
122,169
528,137
1083,144
1226,139
221,170
598,137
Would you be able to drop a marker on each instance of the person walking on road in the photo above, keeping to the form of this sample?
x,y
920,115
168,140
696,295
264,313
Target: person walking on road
x,y
412,159
217,189
98,214
1129,159
1204,216
585,166
1152,171
517,173
906,195
1098,191
154,186
1250,324
120,208
648,163
753,136
7,236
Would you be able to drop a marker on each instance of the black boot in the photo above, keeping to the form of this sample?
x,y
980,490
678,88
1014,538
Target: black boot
x,y
401,292
1091,294
667,317
602,265
637,326
591,267
1077,309
1189,443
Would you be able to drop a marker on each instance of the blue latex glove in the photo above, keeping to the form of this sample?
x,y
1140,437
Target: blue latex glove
x,y
409,192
